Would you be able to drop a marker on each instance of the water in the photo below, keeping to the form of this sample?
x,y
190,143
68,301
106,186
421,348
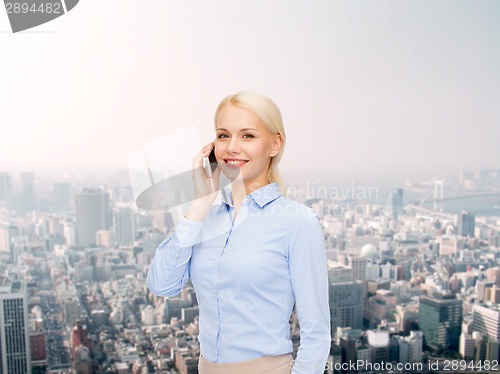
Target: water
x,y
481,206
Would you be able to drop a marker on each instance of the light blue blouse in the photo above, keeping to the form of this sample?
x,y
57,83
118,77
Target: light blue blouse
x,y
247,274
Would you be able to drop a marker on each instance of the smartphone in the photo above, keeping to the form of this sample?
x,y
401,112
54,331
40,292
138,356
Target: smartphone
x,y
210,163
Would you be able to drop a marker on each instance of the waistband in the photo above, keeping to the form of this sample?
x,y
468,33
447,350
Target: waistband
x,y
254,366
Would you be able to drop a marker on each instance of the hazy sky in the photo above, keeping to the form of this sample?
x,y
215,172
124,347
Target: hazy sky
x,y
366,88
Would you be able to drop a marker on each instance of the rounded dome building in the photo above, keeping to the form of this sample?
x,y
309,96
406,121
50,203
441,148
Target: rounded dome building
x,y
369,251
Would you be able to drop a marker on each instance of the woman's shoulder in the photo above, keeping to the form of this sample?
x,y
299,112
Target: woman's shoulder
x,y
297,212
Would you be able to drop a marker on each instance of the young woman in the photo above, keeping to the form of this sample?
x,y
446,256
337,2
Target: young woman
x,y
251,257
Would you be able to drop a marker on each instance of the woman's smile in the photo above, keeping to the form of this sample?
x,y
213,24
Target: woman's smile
x,y
235,163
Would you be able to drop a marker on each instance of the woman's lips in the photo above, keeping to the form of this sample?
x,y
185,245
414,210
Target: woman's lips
x,y
234,163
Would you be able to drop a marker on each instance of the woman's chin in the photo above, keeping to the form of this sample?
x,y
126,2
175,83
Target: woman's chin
x,y
233,174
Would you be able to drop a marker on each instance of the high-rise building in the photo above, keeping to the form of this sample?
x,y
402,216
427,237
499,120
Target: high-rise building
x,y
466,224
83,360
394,204
7,235
15,356
174,306
486,320
5,187
38,347
440,319
92,215
27,197
71,311
397,203
80,336
124,227
346,299
358,264
410,347
61,197
467,346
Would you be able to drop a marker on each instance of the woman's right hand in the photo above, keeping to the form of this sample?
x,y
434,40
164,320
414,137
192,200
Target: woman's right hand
x,y
205,187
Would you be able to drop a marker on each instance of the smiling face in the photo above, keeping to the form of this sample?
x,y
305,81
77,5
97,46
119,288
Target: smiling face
x,y
244,146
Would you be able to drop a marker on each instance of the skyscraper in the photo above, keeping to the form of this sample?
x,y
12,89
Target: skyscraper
x,y
27,197
486,320
62,195
92,215
466,224
123,223
5,187
440,319
15,354
346,299
410,347
397,203
394,205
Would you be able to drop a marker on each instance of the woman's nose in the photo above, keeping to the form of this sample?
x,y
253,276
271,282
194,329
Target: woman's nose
x,y
233,146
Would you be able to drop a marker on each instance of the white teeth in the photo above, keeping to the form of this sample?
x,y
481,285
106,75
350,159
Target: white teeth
x,y
232,162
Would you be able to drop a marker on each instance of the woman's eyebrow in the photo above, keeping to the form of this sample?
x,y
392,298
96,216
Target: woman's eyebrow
x,y
241,130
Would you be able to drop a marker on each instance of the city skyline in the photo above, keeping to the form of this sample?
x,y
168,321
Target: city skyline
x,y
408,283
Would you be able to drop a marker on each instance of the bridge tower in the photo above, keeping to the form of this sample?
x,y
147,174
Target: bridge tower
x,y
438,195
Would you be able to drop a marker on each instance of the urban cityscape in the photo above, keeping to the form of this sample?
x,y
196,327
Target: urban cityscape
x,y
414,277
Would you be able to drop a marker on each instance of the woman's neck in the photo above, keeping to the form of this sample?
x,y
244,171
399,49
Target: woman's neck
x,y
240,190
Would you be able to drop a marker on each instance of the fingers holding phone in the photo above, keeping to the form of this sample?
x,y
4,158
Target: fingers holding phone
x,y
210,163
206,171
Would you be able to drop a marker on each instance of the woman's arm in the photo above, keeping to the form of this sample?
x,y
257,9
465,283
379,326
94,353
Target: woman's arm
x,y
309,275
169,270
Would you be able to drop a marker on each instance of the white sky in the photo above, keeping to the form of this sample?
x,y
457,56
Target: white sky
x,y
367,88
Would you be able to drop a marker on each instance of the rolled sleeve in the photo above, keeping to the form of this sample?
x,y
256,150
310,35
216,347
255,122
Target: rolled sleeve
x,y
309,276
169,270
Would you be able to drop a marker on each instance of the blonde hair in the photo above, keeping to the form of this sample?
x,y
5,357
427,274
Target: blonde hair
x,y
267,111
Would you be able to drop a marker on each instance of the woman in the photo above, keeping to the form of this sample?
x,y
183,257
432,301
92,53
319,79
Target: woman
x,y
251,257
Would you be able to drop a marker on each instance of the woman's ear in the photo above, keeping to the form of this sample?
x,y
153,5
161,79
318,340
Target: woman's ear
x,y
277,144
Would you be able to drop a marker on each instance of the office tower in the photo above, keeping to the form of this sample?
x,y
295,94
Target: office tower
x,y
71,311
410,347
348,341
69,230
346,300
394,204
174,306
83,360
440,319
61,197
124,227
15,356
92,215
5,188
406,317
358,264
466,224
79,338
467,346
486,320
148,315
397,203
7,235
37,344
27,198
185,361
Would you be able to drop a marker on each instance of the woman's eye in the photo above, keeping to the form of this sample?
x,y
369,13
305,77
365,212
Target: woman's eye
x,y
221,136
248,136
